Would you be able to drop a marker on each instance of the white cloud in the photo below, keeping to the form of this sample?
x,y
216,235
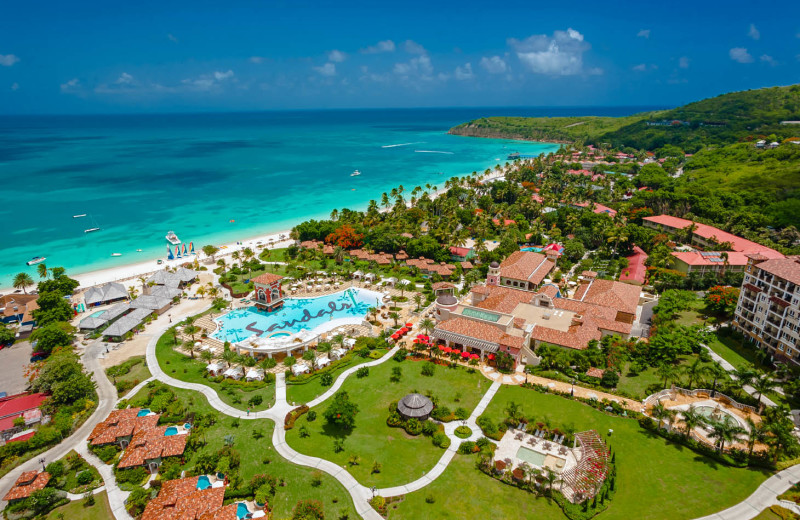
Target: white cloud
x,y
494,65
15,86
420,65
766,58
753,32
641,67
208,81
329,69
71,85
465,72
336,56
221,76
644,33
740,54
171,37
256,59
683,62
7,60
381,46
557,55
125,79
413,47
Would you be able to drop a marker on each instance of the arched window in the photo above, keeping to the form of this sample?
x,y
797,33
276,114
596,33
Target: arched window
x,y
276,294
261,295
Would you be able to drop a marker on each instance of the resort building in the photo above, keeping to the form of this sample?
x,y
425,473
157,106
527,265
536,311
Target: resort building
x,y
25,406
636,272
268,294
513,318
195,498
125,324
461,254
120,426
180,278
105,294
767,311
27,484
429,267
709,239
596,208
18,308
152,303
102,318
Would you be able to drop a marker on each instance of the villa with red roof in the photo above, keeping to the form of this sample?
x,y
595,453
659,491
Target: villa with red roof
x,y
268,294
27,484
636,272
596,208
181,499
23,405
513,314
709,238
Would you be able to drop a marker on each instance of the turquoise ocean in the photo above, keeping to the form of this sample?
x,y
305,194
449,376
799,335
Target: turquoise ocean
x,y
139,176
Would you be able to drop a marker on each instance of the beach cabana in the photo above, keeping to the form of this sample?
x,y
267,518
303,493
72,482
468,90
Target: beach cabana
x,y
300,368
107,293
391,281
370,277
234,373
215,369
349,342
255,374
337,353
321,362
358,275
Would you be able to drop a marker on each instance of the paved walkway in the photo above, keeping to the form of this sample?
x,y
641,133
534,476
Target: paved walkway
x,y
730,368
763,497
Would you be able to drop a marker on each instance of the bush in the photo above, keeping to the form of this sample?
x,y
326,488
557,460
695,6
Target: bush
x,y
106,453
255,401
291,417
467,447
413,426
441,413
308,510
131,476
326,379
56,469
462,414
441,440
400,355
428,369
430,498
312,416
84,477
609,379
362,372
463,432
429,428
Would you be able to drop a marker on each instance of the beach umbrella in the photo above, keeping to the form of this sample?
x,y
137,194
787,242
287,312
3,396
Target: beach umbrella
x,y
456,351
474,356
409,325
465,354
491,357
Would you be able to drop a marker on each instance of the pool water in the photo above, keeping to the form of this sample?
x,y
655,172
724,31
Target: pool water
x,y
97,314
725,417
533,249
172,430
143,412
203,482
241,510
296,314
532,457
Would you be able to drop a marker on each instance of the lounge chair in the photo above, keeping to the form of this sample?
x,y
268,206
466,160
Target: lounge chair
x,y
547,445
562,450
519,436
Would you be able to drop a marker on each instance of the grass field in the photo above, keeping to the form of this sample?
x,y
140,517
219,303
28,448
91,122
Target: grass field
x,y
637,386
305,392
732,351
404,458
137,372
656,479
76,510
255,452
180,366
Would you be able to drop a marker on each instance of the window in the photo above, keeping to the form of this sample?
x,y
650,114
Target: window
x,y
780,347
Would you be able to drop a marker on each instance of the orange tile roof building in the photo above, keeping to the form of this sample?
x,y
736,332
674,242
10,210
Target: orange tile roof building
x,y
26,484
515,319
268,294
180,499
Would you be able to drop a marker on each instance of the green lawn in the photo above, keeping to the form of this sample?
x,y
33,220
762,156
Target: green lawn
x,y
69,479
299,393
734,352
128,374
182,367
76,510
637,386
656,479
254,454
404,458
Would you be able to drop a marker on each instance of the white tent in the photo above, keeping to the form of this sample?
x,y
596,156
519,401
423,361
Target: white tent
x,y
299,368
337,353
255,374
234,373
349,342
391,281
321,362
358,274
215,368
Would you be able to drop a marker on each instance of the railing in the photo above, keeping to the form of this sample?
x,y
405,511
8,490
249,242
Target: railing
x,y
717,395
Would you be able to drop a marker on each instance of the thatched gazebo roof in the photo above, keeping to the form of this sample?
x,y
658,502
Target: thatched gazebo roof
x,y
415,405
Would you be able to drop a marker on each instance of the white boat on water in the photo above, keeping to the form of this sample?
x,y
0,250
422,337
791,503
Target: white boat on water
x,y
172,238
138,250
79,216
355,173
36,260
116,254
91,229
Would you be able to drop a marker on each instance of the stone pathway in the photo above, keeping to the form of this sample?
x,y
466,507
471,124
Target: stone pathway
x,y
730,368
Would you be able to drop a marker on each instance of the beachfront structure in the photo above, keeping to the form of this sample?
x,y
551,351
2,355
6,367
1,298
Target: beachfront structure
x,y
179,279
522,270
105,294
18,308
712,241
516,320
125,324
104,318
767,312
157,304
26,484
268,294
198,497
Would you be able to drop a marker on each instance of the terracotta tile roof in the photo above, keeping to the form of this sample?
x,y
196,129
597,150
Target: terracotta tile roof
x,y
502,299
589,274
15,304
696,258
467,265
26,484
152,444
786,268
481,289
549,290
597,208
121,423
707,232
595,372
577,336
607,293
473,329
442,285
181,500
526,265
460,251
267,278
636,270
402,255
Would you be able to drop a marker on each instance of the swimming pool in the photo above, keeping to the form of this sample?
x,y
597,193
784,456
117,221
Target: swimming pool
x,y
533,249
241,510
143,412
97,314
297,314
203,482
532,457
169,432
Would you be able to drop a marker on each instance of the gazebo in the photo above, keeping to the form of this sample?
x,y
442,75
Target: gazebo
x,y
415,406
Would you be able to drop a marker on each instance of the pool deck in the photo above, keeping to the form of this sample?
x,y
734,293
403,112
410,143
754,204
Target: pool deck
x,y
510,444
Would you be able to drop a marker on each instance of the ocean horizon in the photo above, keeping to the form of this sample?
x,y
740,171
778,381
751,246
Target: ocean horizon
x,y
218,177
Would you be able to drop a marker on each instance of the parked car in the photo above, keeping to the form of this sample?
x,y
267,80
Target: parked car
x,y
38,356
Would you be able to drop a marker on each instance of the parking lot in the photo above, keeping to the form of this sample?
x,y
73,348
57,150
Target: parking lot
x,y
12,362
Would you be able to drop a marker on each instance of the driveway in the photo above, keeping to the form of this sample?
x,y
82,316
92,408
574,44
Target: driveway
x,y
12,361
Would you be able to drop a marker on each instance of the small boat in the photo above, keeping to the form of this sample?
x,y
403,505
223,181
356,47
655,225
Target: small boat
x,y
355,173
79,216
116,254
138,250
91,230
172,238
36,260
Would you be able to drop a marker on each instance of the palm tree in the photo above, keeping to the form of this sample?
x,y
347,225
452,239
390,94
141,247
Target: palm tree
x,y
42,270
694,371
662,414
756,432
513,410
763,382
418,300
395,316
189,346
201,291
338,254
428,325
692,419
723,432
744,376
236,256
716,371
667,372
550,478
221,263
207,356
22,281
229,357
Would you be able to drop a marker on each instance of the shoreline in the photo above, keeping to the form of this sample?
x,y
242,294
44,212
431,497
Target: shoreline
x,y
145,268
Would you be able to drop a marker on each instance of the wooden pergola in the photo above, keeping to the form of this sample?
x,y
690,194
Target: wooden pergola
x,y
588,475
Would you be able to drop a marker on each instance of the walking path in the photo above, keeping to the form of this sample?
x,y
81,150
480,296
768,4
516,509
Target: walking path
x,y
730,368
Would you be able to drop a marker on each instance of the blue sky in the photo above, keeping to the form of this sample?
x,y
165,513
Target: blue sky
x,y
90,57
